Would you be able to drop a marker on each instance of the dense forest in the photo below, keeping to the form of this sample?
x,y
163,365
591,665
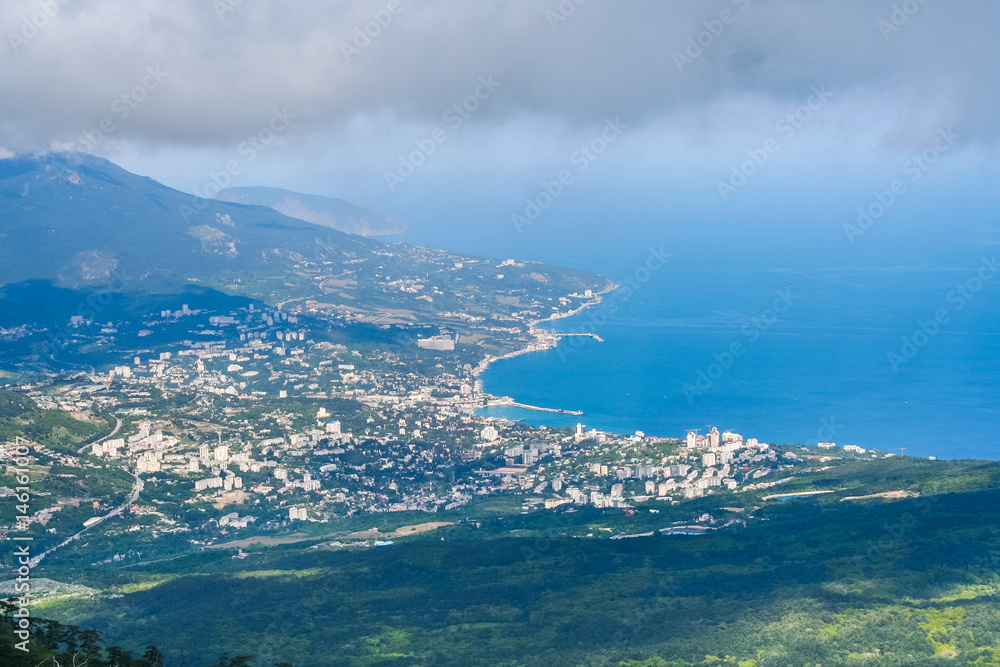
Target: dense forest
x,y
815,582
52,643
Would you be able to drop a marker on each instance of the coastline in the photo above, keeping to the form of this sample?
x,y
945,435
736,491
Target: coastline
x,y
543,340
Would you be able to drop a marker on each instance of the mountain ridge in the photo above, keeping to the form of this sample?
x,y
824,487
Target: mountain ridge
x,y
325,211
80,221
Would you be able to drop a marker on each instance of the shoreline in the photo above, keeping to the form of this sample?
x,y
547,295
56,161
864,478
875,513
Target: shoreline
x,y
547,339
542,340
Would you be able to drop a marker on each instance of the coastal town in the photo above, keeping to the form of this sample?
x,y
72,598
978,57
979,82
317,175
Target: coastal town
x,y
258,424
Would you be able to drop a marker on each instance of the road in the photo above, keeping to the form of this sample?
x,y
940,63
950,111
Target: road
x,y
322,290
132,497
52,356
107,437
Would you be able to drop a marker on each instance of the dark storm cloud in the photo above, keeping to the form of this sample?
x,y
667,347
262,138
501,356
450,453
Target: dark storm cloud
x,y
226,64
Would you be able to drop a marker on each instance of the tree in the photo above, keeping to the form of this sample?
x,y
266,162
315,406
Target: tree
x,y
151,657
238,661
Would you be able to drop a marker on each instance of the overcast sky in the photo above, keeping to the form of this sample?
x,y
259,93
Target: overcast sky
x,y
692,84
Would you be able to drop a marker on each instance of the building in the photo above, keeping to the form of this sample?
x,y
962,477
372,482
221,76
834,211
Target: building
x,y
147,462
208,483
446,343
490,433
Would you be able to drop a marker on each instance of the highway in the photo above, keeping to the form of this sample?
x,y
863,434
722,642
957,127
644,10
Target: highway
x,y
132,497
107,437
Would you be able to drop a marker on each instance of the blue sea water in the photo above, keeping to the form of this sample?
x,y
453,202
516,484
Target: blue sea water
x,y
794,355
822,370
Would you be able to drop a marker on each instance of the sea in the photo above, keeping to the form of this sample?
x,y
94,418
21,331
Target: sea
x,y
890,342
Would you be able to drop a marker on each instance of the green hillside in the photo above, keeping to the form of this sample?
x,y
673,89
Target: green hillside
x,y
105,228
811,581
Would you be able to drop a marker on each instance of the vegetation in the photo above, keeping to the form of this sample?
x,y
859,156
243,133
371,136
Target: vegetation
x,y
815,581
51,428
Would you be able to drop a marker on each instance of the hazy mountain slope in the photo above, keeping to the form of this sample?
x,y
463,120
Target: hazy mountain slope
x,y
327,211
81,220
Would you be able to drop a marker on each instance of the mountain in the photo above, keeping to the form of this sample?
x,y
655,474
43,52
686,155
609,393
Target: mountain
x,y
80,222
326,211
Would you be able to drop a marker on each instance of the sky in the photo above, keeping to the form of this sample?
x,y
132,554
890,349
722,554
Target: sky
x,y
531,127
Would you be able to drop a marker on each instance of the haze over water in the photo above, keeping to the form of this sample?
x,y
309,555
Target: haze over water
x,y
832,107
822,371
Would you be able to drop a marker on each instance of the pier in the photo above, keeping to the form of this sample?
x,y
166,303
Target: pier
x,y
553,334
592,335
507,402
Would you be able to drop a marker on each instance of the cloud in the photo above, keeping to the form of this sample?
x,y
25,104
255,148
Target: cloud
x,y
364,80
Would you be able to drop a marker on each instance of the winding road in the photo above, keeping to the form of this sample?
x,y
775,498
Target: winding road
x,y
107,437
132,497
